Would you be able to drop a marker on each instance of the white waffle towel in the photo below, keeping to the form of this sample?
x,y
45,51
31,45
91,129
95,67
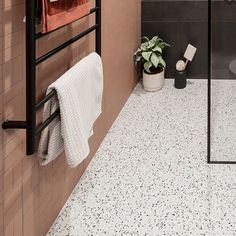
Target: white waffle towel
x,y
79,96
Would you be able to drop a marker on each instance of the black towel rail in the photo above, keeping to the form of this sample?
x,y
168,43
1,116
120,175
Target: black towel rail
x,y
32,130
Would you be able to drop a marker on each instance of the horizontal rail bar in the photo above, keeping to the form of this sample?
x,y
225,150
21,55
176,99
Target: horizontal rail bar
x,y
44,124
45,99
10,124
222,162
64,45
40,34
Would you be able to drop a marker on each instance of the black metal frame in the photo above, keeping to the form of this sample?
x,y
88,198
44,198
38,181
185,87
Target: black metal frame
x,y
209,161
32,131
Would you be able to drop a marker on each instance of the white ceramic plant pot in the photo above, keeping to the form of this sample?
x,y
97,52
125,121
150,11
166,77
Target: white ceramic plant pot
x,y
154,82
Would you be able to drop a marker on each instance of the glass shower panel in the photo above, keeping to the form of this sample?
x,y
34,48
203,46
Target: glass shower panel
x,y
223,80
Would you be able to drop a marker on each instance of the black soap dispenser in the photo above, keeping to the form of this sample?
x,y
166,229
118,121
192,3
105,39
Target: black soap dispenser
x,y
180,73
180,79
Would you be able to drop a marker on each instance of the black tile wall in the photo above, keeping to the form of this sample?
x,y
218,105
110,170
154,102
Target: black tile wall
x,y
183,22
178,23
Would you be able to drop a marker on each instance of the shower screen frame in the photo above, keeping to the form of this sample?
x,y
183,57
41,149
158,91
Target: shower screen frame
x,y
209,161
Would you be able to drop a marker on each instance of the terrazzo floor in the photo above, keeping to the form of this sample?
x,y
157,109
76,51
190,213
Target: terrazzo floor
x,y
223,130
150,176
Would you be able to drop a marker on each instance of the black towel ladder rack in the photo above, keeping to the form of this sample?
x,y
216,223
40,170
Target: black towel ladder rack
x,y
32,130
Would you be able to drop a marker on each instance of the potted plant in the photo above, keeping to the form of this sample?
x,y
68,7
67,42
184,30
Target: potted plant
x,y
150,56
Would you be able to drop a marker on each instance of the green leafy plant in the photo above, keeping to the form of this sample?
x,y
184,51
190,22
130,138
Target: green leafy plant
x,y
150,54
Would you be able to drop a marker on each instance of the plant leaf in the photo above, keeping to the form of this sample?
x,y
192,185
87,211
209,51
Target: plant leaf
x,y
138,58
147,65
157,49
138,51
163,45
146,55
151,45
144,46
155,60
154,39
162,62
145,38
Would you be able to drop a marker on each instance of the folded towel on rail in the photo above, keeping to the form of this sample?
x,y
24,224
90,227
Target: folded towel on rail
x,y
79,97
56,13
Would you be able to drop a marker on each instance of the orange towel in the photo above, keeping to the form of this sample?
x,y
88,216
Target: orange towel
x,y
56,13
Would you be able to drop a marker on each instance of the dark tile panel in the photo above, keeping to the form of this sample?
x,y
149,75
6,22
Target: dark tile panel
x,y
223,49
224,37
183,22
195,33
224,11
174,11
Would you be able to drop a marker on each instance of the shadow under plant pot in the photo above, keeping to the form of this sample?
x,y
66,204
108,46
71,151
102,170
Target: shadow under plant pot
x,y
153,82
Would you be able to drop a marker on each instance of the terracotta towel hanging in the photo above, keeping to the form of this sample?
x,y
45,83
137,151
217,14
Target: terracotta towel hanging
x,y
56,13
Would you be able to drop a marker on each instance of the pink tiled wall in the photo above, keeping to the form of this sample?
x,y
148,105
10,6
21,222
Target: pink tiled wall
x,y
31,196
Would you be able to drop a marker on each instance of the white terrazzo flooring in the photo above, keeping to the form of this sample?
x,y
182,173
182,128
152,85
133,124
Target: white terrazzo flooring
x,y
223,130
150,176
